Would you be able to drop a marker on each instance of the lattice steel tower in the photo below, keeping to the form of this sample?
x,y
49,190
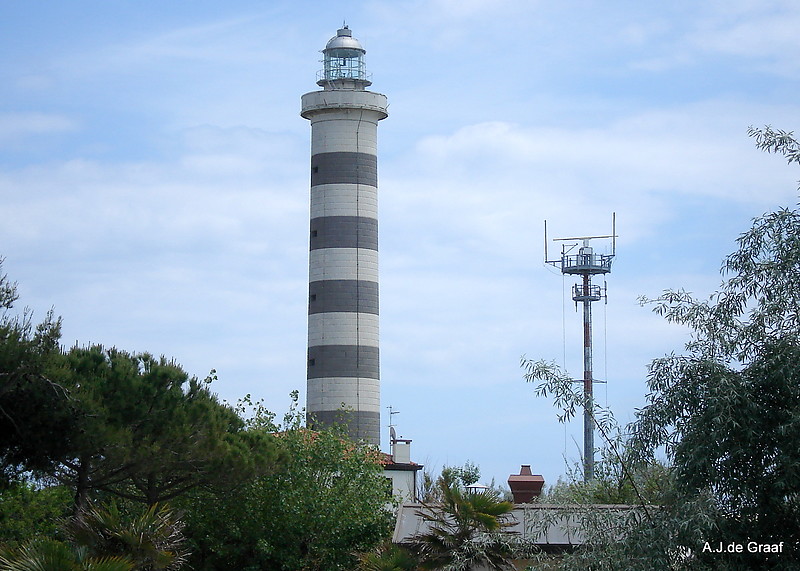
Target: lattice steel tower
x,y
586,263
343,355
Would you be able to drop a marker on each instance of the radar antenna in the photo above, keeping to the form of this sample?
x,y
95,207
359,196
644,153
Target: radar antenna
x,y
586,263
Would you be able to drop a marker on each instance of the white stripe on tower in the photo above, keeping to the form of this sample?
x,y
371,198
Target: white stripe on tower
x,y
343,353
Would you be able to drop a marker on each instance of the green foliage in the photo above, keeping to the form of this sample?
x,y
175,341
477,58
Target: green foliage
x,y
328,502
430,487
464,529
388,557
618,479
149,432
27,512
726,414
467,474
53,555
776,141
644,484
152,540
732,434
728,411
103,539
35,412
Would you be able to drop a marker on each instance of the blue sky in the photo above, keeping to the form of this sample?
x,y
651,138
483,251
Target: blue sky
x,y
154,187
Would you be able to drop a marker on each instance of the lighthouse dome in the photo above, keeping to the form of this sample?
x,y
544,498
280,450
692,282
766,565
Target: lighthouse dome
x,y
343,44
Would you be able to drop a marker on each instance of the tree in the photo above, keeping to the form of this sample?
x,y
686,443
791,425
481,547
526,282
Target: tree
x,y
36,419
388,557
618,479
53,555
149,432
728,411
726,414
152,540
105,539
464,529
328,502
430,488
28,511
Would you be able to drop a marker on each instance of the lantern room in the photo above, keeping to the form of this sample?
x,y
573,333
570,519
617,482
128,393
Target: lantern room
x,y
343,59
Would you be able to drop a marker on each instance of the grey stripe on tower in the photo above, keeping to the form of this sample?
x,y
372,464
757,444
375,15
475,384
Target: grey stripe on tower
x,y
344,168
343,296
344,232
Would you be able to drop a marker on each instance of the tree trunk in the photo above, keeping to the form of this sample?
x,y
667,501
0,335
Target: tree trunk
x,y
82,485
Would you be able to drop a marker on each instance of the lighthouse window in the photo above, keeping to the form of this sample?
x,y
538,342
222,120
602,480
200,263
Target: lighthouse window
x,y
313,233
312,297
311,362
315,169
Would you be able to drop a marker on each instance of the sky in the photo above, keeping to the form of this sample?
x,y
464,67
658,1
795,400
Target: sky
x,y
154,189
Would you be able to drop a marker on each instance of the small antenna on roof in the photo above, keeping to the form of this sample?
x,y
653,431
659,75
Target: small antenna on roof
x,y
392,432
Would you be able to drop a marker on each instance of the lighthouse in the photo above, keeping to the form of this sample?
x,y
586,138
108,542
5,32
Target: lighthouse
x,y
343,368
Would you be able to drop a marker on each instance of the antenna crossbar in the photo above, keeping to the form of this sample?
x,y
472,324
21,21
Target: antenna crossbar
x,y
585,238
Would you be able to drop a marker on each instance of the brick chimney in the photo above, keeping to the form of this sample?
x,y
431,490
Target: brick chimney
x,y
525,486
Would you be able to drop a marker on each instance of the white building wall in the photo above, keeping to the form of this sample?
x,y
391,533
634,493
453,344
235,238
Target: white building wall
x,y
403,484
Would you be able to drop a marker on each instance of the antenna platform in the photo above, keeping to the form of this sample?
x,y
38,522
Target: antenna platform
x,y
586,263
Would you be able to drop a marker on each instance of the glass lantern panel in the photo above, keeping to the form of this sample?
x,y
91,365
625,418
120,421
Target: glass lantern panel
x,y
343,67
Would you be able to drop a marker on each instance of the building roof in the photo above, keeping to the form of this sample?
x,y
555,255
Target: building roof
x,y
387,460
552,527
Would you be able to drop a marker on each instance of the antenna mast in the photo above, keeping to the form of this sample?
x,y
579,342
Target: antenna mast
x,y
586,264
392,431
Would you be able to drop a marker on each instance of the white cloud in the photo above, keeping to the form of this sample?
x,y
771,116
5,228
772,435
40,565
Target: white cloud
x,y
699,149
34,82
764,33
761,35
226,41
447,25
503,114
16,126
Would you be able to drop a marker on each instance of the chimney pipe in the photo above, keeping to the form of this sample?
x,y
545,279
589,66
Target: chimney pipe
x,y
525,486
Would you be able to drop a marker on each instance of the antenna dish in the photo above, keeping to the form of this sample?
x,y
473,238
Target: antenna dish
x,y
392,434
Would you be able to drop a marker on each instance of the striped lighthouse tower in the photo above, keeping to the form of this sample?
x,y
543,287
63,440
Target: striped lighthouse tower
x,y
343,358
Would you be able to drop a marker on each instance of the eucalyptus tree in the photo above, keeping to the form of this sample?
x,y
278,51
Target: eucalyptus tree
x,y
725,414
